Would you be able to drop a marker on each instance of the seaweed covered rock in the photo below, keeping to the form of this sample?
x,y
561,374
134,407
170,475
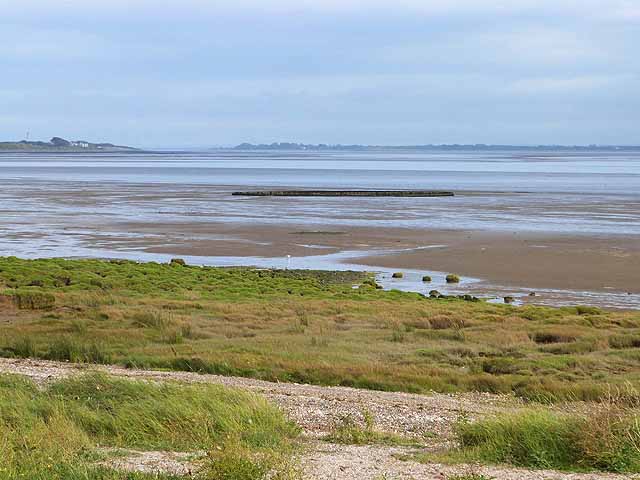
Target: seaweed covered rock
x,y
453,278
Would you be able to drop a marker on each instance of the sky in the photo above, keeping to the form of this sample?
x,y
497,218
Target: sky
x,y
192,73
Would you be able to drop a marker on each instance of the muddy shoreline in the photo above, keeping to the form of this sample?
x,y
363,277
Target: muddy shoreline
x,y
534,260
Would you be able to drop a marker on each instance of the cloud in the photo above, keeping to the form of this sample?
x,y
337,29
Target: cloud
x,y
361,7
374,71
572,85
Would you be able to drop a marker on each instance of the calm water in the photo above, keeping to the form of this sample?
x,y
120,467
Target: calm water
x,y
574,193
617,173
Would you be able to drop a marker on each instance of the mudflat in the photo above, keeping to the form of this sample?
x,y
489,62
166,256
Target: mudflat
x,y
524,259
533,241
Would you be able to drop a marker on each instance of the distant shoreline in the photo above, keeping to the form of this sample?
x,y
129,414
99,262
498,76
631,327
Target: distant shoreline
x,y
444,147
72,150
60,145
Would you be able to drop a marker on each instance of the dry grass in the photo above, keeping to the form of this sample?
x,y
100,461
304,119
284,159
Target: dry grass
x,y
315,328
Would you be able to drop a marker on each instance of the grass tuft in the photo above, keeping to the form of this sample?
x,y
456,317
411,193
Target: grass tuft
x,y
349,431
50,434
608,440
33,300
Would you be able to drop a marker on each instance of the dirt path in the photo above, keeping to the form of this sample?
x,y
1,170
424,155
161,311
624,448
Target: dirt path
x,y
317,409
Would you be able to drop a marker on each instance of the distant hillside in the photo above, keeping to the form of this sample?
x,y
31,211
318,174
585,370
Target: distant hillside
x,y
469,147
60,144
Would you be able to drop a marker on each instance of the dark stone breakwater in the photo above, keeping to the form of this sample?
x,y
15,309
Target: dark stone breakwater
x,y
346,193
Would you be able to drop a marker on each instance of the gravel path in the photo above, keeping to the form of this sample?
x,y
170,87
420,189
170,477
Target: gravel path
x,y
349,462
316,409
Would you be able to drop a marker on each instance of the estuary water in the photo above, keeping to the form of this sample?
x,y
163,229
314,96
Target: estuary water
x,y
590,193
82,205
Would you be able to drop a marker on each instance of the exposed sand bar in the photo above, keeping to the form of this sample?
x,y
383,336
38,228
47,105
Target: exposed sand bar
x,y
345,193
534,260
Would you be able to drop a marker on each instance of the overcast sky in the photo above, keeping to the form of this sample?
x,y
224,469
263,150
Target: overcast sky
x,y
197,73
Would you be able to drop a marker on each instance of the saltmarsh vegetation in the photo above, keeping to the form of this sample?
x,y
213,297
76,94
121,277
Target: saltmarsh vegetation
x,y
307,326
51,433
301,326
352,431
607,438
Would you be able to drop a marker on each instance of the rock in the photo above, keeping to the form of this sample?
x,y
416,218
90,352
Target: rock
x,y
509,299
452,278
426,278
398,275
435,294
468,298
532,294
177,261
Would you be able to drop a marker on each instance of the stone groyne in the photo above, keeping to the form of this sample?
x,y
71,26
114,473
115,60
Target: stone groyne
x,y
346,193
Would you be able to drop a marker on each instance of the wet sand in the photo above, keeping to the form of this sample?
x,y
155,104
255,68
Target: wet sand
x,y
530,260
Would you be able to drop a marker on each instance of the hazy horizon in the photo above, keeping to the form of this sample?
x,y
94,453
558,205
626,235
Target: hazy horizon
x,y
199,74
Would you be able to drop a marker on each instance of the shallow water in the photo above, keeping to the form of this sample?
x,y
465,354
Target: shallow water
x,y
566,193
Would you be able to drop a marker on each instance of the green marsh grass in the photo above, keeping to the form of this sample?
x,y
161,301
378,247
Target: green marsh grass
x,y
312,327
606,439
51,434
